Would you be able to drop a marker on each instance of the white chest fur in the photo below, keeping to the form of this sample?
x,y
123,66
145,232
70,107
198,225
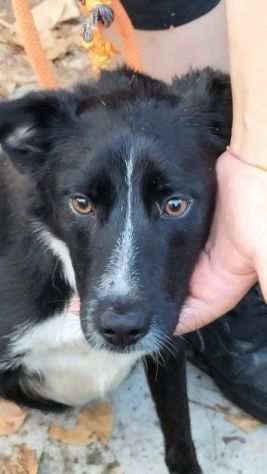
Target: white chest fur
x,y
71,372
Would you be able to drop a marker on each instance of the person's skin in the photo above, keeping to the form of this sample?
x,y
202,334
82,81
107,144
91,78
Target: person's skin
x,y
236,252
174,51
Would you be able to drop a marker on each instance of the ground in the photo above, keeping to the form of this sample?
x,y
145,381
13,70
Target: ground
x,y
61,40
136,446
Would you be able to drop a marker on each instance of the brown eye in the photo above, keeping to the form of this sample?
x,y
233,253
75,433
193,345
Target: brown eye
x,y
176,207
81,204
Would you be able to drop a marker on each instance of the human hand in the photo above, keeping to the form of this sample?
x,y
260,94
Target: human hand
x,y
235,256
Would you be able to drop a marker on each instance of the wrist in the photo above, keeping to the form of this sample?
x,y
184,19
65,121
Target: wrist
x,y
241,159
249,140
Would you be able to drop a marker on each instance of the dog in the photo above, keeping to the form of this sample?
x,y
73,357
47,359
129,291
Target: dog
x,y
106,195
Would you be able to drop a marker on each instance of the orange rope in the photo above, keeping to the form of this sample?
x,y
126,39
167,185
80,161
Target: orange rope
x,y
35,52
31,41
125,28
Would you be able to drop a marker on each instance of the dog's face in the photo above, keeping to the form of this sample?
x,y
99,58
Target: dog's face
x,y
125,183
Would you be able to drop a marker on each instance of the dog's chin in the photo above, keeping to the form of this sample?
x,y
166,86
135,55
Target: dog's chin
x,y
99,344
121,349
148,345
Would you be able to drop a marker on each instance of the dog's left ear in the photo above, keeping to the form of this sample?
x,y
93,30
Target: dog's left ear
x,y
30,125
206,96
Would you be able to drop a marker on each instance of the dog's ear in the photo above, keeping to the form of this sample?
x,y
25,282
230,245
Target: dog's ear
x,y
206,96
29,126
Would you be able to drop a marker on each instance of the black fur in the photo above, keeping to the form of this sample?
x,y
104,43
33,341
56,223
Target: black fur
x,y
76,142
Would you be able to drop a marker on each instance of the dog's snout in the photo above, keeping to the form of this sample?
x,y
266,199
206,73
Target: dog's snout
x,y
122,329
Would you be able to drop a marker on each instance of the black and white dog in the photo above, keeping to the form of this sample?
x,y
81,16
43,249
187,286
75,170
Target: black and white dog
x,y
106,192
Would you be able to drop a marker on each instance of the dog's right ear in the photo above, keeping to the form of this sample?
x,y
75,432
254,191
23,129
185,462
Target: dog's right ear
x,y
30,125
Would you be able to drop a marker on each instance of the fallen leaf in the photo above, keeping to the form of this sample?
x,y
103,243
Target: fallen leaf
x,y
97,469
245,423
24,461
80,436
11,418
10,38
56,38
56,43
5,90
56,47
49,13
116,470
5,24
93,424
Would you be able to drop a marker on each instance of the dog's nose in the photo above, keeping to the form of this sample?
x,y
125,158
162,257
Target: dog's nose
x,y
122,329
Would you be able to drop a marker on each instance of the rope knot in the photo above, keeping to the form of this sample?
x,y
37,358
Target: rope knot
x,y
98,14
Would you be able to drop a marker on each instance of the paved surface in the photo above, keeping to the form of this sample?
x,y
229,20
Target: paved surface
x,y
136,446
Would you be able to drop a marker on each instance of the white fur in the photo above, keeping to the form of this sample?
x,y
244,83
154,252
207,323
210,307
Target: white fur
x,y
22,135
119,278
60,250
71,372
19,134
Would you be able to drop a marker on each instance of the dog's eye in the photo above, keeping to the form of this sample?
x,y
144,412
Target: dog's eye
x,y
81,204
176,206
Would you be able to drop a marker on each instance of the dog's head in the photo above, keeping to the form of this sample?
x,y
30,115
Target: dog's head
x,y
124,172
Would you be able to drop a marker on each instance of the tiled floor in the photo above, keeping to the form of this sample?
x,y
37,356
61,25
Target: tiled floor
x,y
136,445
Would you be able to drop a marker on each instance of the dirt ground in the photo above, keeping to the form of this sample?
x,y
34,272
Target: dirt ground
x,y
61,41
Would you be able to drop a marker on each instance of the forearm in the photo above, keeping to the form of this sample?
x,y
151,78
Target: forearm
x,y
247,34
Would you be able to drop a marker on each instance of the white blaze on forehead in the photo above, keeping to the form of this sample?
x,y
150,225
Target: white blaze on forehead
x,y
119,278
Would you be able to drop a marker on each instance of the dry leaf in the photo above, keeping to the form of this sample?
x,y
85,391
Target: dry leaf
x,y
56,43
245,423
56,46
49,13
11,418
5,24
47,16
97,469
93,424
10,38
116,470
24,461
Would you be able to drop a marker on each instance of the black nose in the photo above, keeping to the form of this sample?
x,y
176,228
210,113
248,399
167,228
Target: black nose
x,y
122,329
